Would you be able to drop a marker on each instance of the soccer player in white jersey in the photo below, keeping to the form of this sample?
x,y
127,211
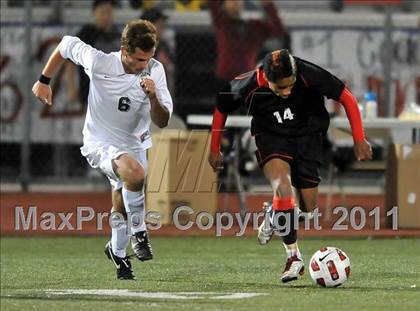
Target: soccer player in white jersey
x,y
127,91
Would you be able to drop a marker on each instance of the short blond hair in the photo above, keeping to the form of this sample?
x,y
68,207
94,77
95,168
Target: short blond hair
x,y
140,34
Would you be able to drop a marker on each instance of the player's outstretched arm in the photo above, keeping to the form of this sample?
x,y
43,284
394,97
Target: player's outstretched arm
x,y
41,88
216,157
362,148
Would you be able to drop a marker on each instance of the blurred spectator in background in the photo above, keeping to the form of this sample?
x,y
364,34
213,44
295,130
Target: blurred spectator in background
x,y
189,5
163,51
103,35
239,41
144,4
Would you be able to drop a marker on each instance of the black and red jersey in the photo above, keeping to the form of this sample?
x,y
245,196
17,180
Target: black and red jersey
x,y
302,113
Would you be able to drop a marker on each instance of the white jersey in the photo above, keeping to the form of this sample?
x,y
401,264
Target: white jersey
x,y
118,108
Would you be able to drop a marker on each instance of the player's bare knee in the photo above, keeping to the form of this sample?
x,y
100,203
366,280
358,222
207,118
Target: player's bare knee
x,y
135,178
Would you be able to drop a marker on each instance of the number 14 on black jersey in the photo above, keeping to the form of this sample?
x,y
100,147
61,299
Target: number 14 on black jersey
x,y
287,115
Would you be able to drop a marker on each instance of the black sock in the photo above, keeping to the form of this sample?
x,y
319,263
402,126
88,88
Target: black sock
x,y
284,221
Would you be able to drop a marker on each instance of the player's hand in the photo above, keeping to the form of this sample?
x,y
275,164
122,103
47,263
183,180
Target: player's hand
x,y
362,150
148,86
43,92
216,161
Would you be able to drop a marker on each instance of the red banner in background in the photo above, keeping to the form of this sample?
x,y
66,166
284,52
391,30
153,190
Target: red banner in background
x,y
87,213
55,213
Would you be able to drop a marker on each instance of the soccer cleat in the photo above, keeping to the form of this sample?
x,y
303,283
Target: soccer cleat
x,y
265,230
141,246
123,265
294,268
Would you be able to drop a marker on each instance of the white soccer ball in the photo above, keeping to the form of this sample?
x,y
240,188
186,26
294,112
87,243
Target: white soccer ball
x,y
329,267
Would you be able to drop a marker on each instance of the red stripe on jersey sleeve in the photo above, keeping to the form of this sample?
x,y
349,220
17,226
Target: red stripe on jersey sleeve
x,y
353,114
219,120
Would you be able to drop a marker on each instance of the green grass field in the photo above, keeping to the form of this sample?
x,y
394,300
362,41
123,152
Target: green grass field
x,y
385,275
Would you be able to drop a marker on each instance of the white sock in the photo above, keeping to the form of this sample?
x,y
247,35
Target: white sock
x,y
120,236
292,250
134,206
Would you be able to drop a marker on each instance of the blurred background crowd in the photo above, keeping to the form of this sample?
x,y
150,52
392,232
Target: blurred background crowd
x,y
202,44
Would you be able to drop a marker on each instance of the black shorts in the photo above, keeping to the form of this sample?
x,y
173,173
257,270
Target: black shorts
x,y
304,155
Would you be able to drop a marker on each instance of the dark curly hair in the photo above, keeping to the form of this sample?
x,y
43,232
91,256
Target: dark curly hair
x,y
279,64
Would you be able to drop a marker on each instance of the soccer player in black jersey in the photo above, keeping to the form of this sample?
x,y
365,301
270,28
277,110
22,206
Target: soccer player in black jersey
x,y
285,97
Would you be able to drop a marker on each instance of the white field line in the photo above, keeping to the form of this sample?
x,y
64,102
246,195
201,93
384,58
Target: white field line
x,y
153,295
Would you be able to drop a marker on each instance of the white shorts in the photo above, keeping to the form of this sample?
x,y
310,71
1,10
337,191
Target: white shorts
x,y
100,155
